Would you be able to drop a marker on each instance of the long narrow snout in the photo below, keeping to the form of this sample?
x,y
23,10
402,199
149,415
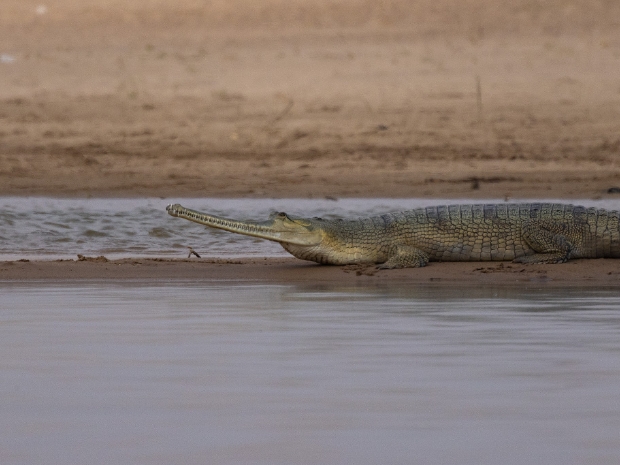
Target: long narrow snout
x,y
279,228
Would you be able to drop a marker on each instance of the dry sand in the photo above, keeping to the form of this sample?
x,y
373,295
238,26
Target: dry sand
x,y
290,98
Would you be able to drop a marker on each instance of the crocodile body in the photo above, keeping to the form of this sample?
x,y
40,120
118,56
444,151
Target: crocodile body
x,y
525,233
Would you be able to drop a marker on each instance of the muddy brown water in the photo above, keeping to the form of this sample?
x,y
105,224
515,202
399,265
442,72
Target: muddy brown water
x,y
244,373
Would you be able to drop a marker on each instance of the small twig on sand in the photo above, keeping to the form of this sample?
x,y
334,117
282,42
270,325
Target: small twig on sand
x,y
192,252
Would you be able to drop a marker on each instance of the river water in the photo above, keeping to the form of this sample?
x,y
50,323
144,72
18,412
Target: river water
x,y
35,227
230,372
243,373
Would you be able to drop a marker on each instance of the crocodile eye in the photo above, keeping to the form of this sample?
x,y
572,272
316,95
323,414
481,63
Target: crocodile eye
x,y
281,215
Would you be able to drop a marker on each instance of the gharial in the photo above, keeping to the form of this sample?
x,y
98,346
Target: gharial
x,y
524,233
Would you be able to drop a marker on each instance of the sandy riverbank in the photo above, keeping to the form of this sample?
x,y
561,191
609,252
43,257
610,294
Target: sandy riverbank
x,y
272,271
277,99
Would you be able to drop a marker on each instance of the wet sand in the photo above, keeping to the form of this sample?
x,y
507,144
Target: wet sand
x,y
590,273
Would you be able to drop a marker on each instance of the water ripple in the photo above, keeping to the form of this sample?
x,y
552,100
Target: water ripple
x,y
37,227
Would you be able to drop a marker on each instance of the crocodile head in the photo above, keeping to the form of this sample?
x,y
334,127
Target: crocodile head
x,y
280,227
292,230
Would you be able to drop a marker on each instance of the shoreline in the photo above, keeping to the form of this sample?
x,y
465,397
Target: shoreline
x,y
582,273
464,197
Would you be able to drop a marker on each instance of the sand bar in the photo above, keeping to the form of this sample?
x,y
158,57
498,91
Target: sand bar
x,y
598,272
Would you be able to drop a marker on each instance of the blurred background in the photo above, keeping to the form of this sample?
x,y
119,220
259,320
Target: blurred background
x,y
275,98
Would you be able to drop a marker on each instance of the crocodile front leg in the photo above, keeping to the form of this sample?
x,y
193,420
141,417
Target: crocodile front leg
x,y
405,256
549,239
